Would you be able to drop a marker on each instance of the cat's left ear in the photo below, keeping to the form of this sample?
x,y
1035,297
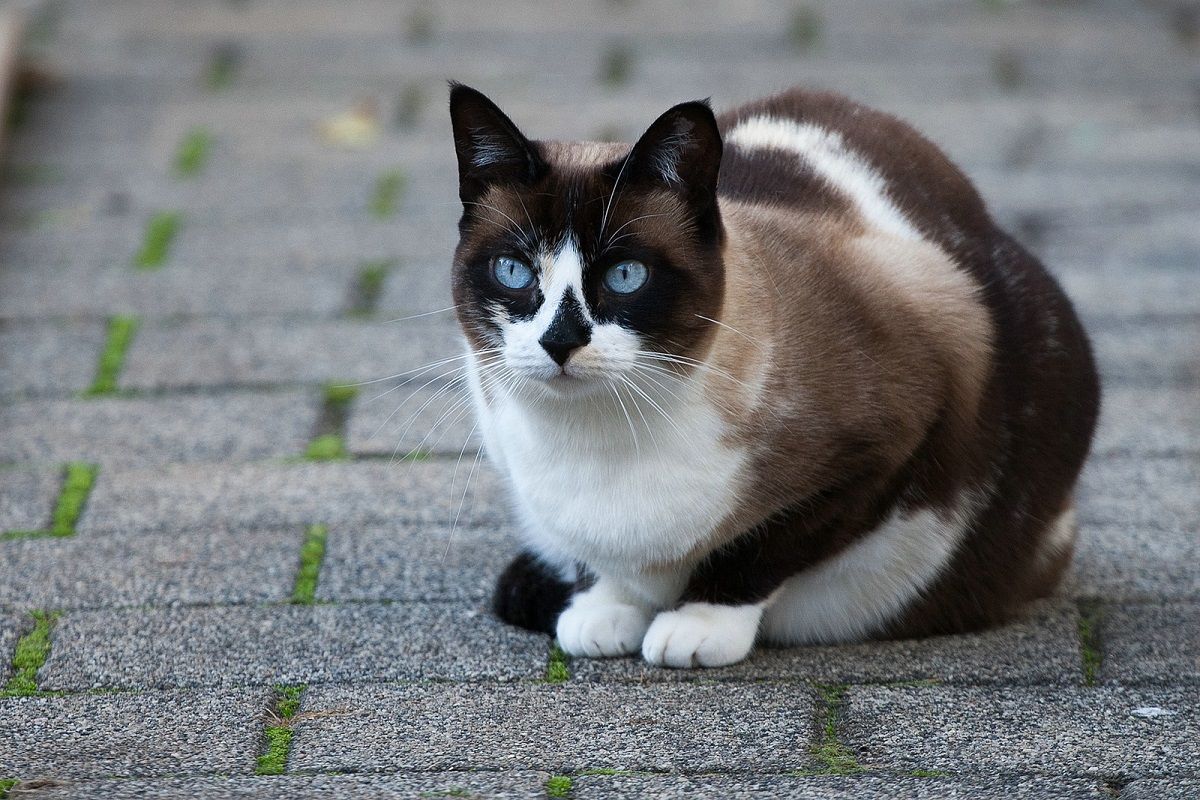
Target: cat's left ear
x,y
490,148
681,152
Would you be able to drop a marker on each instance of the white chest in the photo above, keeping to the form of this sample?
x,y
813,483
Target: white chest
x,y
612,491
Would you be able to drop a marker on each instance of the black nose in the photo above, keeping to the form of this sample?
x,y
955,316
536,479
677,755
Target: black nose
x,y
568,330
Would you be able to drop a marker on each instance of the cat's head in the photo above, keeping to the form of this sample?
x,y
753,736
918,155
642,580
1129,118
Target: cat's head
x,y
582,262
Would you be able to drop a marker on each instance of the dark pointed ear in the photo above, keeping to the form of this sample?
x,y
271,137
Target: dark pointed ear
x,y
681,151
490,148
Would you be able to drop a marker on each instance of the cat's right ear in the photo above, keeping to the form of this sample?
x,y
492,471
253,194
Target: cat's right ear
x,y
490,148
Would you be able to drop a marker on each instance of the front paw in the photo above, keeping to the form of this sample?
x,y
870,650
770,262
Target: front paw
x,y
701,635
595,630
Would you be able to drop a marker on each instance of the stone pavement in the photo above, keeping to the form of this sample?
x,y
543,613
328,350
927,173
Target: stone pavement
x,y
223,575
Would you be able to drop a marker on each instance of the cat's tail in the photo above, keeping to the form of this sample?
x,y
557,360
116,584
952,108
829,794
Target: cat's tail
x,y
530,594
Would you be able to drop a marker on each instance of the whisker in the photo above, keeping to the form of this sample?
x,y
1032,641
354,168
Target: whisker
x,y
418,316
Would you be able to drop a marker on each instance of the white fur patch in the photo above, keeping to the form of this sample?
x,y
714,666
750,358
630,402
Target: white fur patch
x,y
702,635
857,592
602,622
1059,538
827,154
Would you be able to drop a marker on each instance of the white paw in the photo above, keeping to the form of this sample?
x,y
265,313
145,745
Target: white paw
x,y
595,630
702,635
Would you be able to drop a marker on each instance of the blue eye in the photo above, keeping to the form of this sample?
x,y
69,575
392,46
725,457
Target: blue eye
x,y
626,277
512,273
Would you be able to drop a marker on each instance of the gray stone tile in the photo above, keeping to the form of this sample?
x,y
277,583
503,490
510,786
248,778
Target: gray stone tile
x,y
238,645
12,627
39,358
139,735
123,432
273,351
1156,351
822,787
189,496
1151,492
199,566
1040,649
1149,644
1116,562
27,497
1144,420
439,418
679,727
1045,731
414,562
412,786
1162,789
1136,290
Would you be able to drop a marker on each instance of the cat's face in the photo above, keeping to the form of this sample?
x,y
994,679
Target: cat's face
x,y
581,264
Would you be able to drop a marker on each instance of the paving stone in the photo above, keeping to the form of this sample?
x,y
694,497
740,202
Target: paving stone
x,y
141,735
1158,421
1151,644
1156,351
526,784
821,787
1141,492
159,430
12,627
38,358
1136,290
116,287
1063,731
1122,562
187,497
238,645
1162,789
176,568
439,418
413,563
681,727
272,351
1040,649
27,498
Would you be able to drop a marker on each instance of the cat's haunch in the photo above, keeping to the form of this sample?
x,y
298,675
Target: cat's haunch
x,y
769,375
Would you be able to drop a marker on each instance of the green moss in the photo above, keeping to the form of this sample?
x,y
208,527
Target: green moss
x,y
1089,643
287,697
77,485
223,66
386,197
835,756
559,786
327,447
616,66
193,152
805,27
156,243
121,330
420,25
929,773
30,654
5,785
368,286
32,174
312,555
408,106
453,791
340,395
607,772
279,745
556,668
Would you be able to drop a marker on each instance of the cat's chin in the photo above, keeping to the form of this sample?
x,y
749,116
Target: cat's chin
x,y
566,386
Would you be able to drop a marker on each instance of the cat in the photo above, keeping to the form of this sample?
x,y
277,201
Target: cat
x,y
770,376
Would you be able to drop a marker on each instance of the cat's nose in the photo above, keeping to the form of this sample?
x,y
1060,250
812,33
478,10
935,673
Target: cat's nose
x,y
568,331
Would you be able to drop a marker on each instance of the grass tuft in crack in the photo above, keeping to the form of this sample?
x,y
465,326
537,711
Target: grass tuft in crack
x,y
312,556
329,442
368,286
193,152
278,734
557,670
929,773
1089,642
223,65
30,654
121,330
804,29
156,243
836,757
77,485
559,786
5,785
386,197
616,66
